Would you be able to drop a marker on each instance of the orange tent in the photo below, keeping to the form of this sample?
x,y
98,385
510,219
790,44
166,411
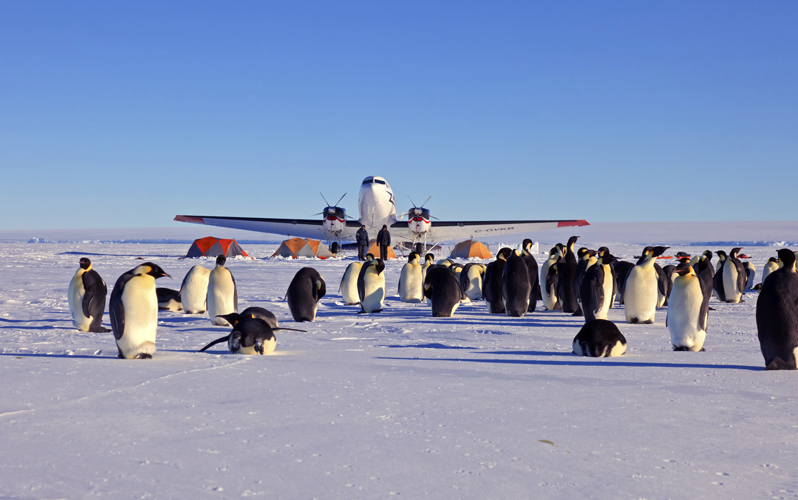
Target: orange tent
x,y
470,249
298,247
375,250
214,247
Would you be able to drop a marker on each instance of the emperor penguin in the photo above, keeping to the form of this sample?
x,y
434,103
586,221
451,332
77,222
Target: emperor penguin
x,y
585,259
734,278
222,292
565,281
429,260
771,265
717,280
250,335
622,269
516,288
663,287
348,287
471,280
596,290
599,338
168,299
304,293
492,283
549,294
86,297
456,268
443,291
371,286
253,312
777,315
411,287
640,294
134,311
750,274
599,255
703,268
687,310
534,277
194,290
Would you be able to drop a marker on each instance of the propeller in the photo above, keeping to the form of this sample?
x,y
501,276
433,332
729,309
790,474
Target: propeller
x,y
328,203
422,205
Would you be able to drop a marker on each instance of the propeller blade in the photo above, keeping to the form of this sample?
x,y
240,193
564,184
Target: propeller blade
x,y
325,199
339,200
411,200
433,217
422,205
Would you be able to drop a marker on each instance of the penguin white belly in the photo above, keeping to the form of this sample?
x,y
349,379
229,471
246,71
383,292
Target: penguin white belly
x,y
684,307
75,296
268,348
606,286
374,292
730,283
640,295
141,317
194,293
474,291
349,284
411,287
549,299
221,295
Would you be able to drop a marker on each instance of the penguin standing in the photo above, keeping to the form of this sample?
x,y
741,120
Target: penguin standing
x,y
777,315
717,280
86,298
549,293
585,259
371,286
348,286
411,288
304,293
771,265
516,288
663,287
597,286
599,255
750,274
471,281
599,338
706,273
492,284
566,271
622,269
443,291
134,311
687,310
429,260
534,278
194,290
641,292
734,278
222,292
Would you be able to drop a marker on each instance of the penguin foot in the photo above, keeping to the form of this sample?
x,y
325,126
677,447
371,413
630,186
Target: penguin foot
x,y
779,364
143,355
100,329
633,320
649,322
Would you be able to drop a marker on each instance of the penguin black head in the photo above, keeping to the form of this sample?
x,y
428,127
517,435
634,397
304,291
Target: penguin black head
x,y
154,270
413,255
608,258
657,251
787,258
684,268
581,252
602,251
504,254
85,263
572,241
680,255
429,258
379,266
220,260
685,259
735,251
721,254
232,318
773,259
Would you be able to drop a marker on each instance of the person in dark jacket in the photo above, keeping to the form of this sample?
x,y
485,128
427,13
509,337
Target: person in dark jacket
x,y
384,241
362,239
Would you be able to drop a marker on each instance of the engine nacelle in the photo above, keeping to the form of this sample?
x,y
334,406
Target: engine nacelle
x,y
334,219
418,220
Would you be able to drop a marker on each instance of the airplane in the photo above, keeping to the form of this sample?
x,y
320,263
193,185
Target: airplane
x,y
377,207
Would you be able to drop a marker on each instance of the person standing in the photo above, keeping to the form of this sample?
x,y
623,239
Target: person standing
x,y
384,241
362,239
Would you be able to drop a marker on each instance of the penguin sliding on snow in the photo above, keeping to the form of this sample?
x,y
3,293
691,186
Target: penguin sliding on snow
x,y
641,292
515,285
250,335
597,287
411,286
194,290
222,292
443,291
599,338
253,312
734,278
348,286
371,286
134,311
777,315
688,310
304,293
86,298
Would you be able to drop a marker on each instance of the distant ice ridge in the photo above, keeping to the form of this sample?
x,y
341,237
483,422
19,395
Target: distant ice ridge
x,y
744,244
145,241
39,240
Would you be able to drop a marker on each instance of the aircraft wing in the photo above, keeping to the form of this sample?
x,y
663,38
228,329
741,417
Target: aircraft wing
x,y
463,230
303,228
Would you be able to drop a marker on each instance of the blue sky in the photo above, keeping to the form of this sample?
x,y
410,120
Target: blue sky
x,y
126,114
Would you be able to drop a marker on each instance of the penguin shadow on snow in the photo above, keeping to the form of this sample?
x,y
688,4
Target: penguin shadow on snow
x,y
616,361
431,345
53,355
46,320
136,255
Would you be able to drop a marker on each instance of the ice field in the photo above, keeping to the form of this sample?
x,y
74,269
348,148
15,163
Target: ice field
x,y
394,403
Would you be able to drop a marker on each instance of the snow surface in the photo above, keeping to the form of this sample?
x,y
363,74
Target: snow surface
x,y
395,403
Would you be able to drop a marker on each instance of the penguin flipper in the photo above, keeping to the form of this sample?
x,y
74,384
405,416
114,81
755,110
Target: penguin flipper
x,y
217,341
235,291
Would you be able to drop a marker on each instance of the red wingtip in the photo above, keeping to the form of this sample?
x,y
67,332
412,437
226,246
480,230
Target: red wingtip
x,y
186,218
569,223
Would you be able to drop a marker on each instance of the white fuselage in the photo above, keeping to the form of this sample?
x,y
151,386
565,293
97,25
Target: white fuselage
x,y
376,204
